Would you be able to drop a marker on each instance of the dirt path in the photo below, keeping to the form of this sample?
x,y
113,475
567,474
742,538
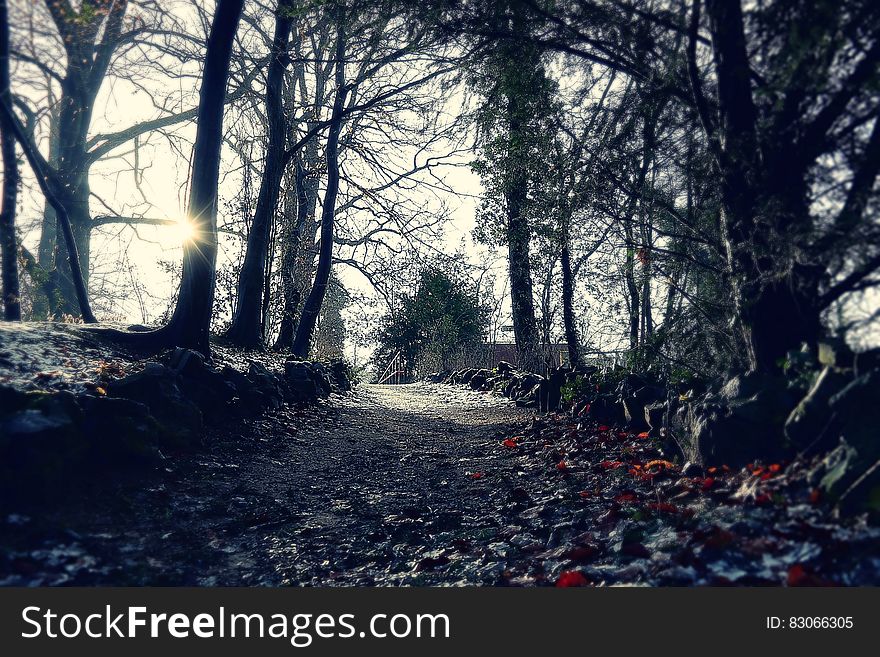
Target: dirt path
x,y
371,484
411,485
373,488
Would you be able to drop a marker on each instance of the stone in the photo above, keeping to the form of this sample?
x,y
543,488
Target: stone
x,y
742,422
606,408
342,375
634,403
850,473
656,415
159,389
41,444
809,424
478,379
201,383
120,432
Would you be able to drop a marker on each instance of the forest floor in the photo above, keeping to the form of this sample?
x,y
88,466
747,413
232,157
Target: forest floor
x,y
427,484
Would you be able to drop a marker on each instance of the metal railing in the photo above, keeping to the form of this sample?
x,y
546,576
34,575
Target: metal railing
x,y
394,373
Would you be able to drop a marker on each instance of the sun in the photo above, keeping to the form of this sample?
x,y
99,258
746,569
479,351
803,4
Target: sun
x,y
182,231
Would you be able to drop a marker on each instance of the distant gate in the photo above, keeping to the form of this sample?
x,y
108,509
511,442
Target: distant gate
x,y
394,373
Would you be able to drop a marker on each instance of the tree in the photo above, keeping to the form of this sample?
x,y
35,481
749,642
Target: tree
x,y
312,307
443,317
247,321
8,241
190,323
514,127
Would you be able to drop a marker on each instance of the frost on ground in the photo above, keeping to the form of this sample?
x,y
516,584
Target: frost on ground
x,y
437,485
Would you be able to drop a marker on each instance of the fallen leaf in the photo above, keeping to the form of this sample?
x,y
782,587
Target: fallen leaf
x,y
572,578
663,507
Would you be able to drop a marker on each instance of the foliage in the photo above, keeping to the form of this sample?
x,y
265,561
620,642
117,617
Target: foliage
x,y
443,316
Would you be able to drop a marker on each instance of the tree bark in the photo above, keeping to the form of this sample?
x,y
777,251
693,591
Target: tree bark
x,y
568,318
8,242
191,321
312,307
774,296
247,324
525,331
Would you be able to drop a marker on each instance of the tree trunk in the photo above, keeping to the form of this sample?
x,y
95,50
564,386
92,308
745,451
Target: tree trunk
x,y
8,242
312,306
77,206
247,324
774,297
525,331
568,319
292,265
191,322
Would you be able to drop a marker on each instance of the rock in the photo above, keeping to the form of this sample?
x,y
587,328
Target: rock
x,y
850,473
656,415
634,403
322,379
504,368
523,387
120,432
266,384
301,382
41,444
606,408
478,379
742,422
342,375
550,393
467,375
810,420
159,389
201,383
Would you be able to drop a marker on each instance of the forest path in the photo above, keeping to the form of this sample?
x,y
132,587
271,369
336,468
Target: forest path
x,y
372,487
368,485
411,485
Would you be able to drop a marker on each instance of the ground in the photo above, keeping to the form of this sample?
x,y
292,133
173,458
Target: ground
x,y
350,493
432,484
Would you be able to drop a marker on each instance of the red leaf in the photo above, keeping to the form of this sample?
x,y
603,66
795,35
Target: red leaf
x,y
644,434
624,498
604,427
585,494
815,496
708,482
610,465
663,507
582,552
476,475
775,467
562,466
572,578
510,443
799,576
720,539
796,575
